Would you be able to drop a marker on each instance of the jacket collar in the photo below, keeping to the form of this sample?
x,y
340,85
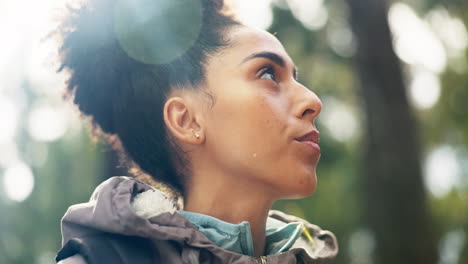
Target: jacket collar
x,y
113,209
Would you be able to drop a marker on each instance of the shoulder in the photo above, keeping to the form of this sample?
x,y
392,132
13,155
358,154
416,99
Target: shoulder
x,y
75,259
110,247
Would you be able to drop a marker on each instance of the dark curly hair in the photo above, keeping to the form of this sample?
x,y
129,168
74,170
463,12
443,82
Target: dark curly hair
x,y
124,96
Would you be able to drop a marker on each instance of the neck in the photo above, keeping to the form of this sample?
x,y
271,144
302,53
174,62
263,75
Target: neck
x,y
232,200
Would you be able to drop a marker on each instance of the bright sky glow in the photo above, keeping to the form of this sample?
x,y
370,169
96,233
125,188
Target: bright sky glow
x,y
312,13
16,26
47,123
442,171
425,90
18,182
339,119
414,41
257,13
41,68
9,28
8,117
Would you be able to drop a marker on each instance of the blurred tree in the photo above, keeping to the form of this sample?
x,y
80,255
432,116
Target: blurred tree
x,y
334,205
395,198
398,219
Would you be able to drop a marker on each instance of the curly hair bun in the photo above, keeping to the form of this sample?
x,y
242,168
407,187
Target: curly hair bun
x,y
124,57
157,31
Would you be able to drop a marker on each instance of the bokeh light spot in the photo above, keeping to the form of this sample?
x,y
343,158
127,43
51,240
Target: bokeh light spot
x,y
450,29
414,41
256,13
311,13
18,182
451,246
361,246
47,123
340,120
341,39
8,154
442,171
425,90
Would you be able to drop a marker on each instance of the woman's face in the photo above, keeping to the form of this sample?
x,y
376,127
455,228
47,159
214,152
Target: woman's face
x,y
260,111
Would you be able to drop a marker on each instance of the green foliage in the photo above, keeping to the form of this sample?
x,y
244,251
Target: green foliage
x,y
29,231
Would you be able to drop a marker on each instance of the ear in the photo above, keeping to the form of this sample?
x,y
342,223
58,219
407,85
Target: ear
x,y
181,119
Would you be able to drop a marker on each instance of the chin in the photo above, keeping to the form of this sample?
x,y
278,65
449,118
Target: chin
x,y
303,189
307,192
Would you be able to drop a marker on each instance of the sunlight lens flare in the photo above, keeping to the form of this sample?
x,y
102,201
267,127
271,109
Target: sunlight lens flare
x,y
157,31
18,182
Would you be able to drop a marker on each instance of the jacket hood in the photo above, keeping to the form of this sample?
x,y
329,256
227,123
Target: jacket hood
x,y
126,206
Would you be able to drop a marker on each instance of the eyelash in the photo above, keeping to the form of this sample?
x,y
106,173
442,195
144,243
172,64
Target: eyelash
x,y
269,70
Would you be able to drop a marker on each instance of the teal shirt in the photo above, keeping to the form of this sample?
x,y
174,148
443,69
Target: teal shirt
x,y
237,238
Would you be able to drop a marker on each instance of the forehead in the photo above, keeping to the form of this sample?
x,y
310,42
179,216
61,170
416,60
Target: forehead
x,y
246,41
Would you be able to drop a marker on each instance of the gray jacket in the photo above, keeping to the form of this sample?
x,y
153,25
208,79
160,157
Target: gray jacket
x,y
114,208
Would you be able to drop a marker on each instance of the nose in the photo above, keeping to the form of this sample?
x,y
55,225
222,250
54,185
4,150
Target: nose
x,y
310,104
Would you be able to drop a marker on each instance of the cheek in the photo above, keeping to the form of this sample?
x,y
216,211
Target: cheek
x,y
268,153
265,122
262,125
247,126
250,134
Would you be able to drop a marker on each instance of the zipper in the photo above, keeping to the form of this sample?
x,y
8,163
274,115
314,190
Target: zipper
x,y
260,260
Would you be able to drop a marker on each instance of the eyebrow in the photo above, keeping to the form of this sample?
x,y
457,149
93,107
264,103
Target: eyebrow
x,y
270,56
267,55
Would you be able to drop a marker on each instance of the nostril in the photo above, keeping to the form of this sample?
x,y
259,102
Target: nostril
x,y
308,111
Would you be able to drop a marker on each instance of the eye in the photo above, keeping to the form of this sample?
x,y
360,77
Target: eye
x,y
268,73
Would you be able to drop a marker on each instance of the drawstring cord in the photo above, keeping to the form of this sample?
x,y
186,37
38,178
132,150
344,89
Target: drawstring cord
x,y
305,231
261,260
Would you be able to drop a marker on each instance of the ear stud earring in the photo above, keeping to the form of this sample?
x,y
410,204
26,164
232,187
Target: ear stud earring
x,y
197,135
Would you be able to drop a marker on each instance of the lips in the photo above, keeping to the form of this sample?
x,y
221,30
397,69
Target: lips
x,y
312,136
311,140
